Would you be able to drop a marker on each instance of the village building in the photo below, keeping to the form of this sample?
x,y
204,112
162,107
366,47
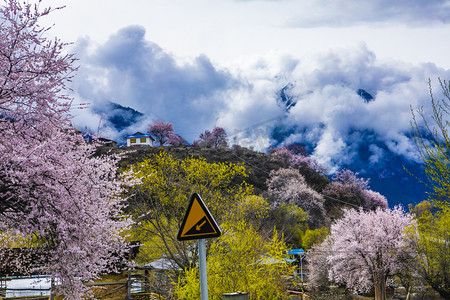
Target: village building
x,y
139,139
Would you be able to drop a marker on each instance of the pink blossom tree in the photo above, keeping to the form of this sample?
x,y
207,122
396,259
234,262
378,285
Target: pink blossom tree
x,y
212,139
367,247
176,140
205,139
162,131
55,195
349,188
218,137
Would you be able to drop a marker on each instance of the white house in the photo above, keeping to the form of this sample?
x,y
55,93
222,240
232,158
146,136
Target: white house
x,y
139,139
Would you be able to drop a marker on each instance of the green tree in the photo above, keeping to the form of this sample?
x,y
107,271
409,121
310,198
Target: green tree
x,y
433,142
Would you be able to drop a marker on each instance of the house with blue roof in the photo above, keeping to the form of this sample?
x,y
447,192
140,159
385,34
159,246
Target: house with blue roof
x,y
139,139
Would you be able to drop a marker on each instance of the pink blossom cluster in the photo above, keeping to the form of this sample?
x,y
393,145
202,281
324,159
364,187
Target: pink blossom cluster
x,y
297,160
348,187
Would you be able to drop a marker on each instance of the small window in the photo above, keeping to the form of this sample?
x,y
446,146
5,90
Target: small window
x,y
133,141
143,140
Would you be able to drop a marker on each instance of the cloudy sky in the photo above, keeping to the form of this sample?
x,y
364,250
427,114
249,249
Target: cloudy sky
x,y
205,63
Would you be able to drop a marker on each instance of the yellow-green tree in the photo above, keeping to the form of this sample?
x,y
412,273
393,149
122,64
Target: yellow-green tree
x,y
313,237
241,260
290,221
433,142
159,199
430,239
431,236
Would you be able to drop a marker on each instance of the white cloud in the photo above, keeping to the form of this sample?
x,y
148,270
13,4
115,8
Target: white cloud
x,y
133,72
332,118
375,12
329,115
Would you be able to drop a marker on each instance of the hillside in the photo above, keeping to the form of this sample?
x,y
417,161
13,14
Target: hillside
x,y
258,165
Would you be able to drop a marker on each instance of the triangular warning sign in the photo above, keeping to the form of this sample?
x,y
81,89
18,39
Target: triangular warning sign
x,y
198,222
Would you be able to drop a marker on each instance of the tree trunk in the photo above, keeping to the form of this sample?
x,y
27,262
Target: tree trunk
x,y
408,295
379,282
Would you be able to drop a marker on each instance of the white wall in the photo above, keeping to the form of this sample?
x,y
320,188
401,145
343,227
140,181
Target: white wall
x,y
148,141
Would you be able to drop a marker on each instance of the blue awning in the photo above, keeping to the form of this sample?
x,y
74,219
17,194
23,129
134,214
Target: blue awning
x,y
295,251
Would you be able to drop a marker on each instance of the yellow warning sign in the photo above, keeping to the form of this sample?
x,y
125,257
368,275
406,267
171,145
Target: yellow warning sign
x,y
198,222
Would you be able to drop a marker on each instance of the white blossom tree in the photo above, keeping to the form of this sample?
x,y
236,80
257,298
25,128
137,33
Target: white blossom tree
x,y
367,247
318,265
288,186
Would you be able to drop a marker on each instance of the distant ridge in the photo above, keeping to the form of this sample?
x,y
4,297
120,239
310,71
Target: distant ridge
x,y
120,117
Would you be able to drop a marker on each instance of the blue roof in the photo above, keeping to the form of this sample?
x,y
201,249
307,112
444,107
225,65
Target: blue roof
x,y
138,135
295,251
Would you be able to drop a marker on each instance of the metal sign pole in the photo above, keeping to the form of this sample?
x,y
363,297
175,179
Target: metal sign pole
x,y
202,267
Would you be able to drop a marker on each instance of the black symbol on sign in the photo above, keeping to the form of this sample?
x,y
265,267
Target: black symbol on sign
x,y
202,226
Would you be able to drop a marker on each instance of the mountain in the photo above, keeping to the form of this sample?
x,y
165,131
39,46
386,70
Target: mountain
x,y
390,176
398,179
365,95
286,96
119,117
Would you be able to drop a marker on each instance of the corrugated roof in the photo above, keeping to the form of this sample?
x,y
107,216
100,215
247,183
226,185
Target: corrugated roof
x,y
295,251
139,135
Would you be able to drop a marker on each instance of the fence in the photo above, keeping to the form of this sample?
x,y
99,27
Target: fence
x,y
25,286
39,287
